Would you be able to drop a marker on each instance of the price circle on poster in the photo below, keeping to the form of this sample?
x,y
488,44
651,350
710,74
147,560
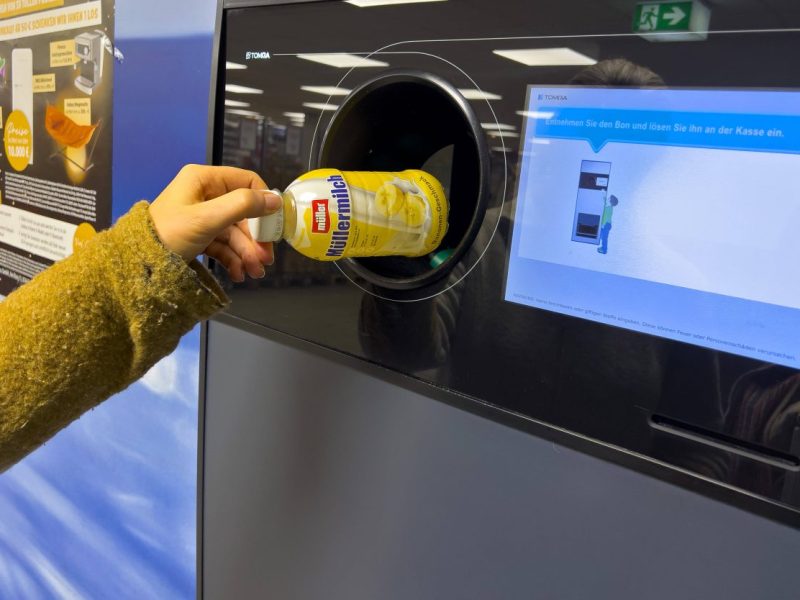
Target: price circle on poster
x,y
18,140
83,234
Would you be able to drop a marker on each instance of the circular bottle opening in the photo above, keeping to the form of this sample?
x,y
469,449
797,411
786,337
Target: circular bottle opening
x,y
414,120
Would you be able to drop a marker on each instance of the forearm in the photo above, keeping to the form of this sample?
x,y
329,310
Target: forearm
x,y
89,326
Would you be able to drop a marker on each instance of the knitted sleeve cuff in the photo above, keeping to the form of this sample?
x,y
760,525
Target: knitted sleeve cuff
x,y
89,325
170,272
161,296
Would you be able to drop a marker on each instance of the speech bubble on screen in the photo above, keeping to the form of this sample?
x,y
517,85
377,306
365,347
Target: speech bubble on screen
x,y
721,131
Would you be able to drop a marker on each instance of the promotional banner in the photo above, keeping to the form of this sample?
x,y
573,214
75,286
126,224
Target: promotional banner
x,y
107,508
56,75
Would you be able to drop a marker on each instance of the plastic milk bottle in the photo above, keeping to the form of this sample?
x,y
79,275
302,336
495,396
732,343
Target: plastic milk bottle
x,y
330,214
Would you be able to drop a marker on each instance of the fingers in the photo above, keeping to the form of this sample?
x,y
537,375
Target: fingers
x,y
230,260
217,181
262,250
224,211
236,250
245,249
268,250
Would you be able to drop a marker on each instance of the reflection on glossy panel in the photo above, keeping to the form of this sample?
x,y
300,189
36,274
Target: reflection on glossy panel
x,y
459,332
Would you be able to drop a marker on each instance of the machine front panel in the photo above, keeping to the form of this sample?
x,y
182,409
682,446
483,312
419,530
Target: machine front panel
x,y
620,263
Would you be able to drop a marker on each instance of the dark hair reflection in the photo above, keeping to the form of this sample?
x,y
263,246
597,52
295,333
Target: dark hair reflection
x,y
618,72
585,376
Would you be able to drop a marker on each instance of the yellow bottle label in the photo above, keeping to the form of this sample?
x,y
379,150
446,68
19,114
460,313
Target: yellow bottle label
x,y
345,214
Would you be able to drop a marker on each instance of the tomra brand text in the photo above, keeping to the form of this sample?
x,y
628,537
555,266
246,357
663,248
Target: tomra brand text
x,y
341,194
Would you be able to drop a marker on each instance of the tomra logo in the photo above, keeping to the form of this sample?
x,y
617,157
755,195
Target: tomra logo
x,y
256,55
321,218
552,97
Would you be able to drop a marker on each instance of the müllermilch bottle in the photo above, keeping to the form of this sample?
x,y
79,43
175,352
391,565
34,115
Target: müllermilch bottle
x,y
329,214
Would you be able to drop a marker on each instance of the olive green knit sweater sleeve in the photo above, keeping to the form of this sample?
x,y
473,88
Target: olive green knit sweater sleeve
x,y
90,325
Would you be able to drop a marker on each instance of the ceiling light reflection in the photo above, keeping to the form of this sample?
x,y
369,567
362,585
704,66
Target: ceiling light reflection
x,y
320,105
343,60
503,126
241,89
371,3
479,95
547,57
244,113
325,90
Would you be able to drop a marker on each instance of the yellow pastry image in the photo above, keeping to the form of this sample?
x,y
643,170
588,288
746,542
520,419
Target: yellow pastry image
x,y
65,131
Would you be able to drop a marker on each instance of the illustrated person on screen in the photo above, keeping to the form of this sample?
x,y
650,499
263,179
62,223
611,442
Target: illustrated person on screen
x,y
605,223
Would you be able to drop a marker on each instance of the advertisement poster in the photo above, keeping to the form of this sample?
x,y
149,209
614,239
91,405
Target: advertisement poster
x,y
56,76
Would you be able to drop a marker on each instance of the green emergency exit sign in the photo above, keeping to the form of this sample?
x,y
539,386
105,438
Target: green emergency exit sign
x,y
671,21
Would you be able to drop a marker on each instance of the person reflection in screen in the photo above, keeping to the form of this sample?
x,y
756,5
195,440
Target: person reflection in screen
x,y
618,72
574,372
441,336
605,223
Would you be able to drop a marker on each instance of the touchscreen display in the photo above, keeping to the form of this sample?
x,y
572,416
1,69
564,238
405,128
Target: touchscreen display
x,y
671,212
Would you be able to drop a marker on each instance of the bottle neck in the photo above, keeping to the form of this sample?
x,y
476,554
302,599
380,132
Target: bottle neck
x,y
273,227
289,215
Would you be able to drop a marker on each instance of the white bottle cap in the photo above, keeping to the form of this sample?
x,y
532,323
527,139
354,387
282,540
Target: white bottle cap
x,y
268,228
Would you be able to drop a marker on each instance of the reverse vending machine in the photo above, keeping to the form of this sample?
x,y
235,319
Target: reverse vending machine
x,y
591,388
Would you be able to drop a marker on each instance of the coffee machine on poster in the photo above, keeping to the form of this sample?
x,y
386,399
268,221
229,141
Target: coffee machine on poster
x,y
90,49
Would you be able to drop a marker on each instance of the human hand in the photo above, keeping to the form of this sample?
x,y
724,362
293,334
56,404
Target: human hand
x,y
204,210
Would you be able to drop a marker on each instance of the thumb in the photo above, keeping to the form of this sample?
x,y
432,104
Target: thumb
x,y
223,211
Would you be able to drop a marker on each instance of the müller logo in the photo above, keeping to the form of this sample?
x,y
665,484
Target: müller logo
x,y
322,220
256,55
551,97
